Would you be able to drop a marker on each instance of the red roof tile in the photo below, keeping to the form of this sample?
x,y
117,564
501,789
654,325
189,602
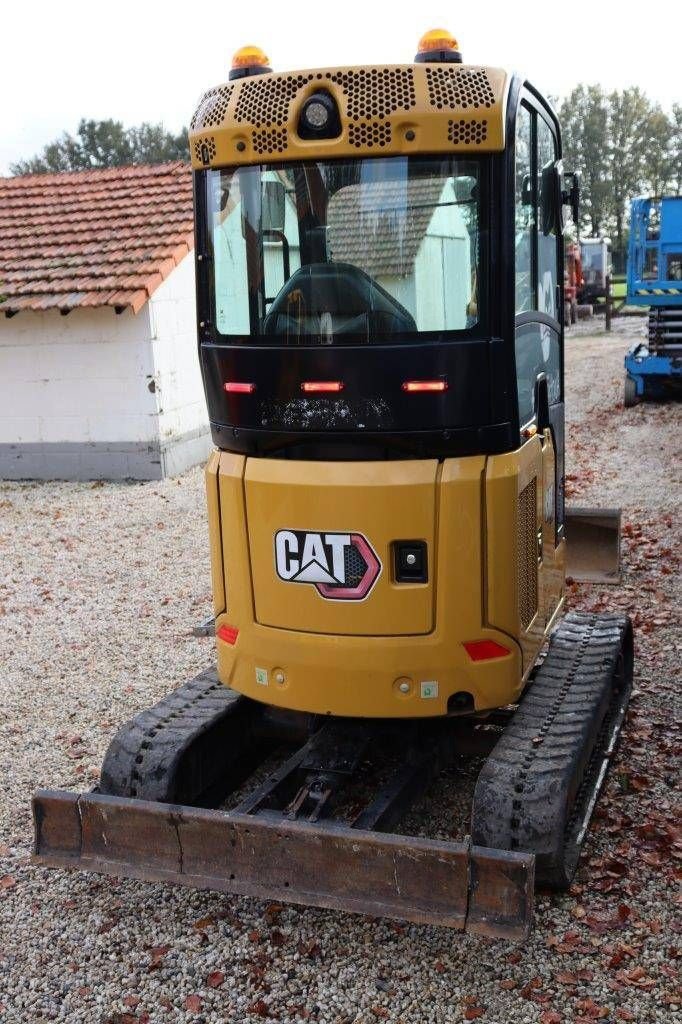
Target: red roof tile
x,y
92,238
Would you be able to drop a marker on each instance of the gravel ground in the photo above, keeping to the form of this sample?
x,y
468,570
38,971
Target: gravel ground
x,y
100,586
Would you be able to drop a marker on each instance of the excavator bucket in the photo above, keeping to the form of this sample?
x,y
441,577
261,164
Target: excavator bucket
x,y
593,544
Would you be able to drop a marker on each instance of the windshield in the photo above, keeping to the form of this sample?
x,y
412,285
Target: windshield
x,y
345,251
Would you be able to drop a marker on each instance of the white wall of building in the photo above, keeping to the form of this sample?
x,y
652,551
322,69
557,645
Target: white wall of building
x,y
95,394
81,377
179,391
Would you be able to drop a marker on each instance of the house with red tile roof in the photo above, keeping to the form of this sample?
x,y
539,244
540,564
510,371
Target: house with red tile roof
x,y
99,376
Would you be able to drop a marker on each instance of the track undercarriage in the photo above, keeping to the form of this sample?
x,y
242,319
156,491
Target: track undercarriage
x,y
212,790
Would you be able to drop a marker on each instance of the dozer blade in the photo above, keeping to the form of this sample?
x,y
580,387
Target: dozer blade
x,y
593,544
488,892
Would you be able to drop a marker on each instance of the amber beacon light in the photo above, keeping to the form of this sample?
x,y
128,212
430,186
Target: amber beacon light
x,y
249,60
438,46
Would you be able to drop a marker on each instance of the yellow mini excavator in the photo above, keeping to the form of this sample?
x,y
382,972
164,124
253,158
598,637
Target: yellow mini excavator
x,y
379,257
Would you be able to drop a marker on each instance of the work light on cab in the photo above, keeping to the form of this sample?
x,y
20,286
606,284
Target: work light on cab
x,y
319,117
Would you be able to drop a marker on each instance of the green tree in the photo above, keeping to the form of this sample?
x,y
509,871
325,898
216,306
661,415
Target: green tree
x,y
630,111
676,146
107,144
584,116
658,153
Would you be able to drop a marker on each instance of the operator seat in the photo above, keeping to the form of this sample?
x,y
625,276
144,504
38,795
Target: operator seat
x,y
335,299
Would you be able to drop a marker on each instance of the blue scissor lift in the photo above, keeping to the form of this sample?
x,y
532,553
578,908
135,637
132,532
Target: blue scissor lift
x,y
653,369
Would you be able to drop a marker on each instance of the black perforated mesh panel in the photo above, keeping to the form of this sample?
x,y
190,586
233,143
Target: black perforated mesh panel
x,y
207,141
264,102
212,108
376,133
467,132
270,140
354,565
453,86
375,92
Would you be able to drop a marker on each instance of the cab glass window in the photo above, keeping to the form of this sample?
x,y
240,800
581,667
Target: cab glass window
x,y
524,211
537,352
547,228
346,251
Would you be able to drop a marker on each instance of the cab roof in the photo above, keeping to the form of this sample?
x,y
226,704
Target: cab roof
x,y
384,110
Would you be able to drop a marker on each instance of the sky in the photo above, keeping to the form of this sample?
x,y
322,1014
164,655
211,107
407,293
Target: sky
x,y
150,61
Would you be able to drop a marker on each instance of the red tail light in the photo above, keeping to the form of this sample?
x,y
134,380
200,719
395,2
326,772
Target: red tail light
x,y
425,385
239,387
312,387
228,633
485,650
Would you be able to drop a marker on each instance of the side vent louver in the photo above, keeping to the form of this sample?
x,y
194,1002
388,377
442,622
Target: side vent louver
x,y
527,554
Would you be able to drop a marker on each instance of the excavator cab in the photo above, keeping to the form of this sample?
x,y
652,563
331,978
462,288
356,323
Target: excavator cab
x,y
379,255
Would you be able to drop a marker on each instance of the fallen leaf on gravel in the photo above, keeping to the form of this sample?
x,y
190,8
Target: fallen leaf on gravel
x,y
254,935
472,1012
157,953
215,979
277,938
566,978
272,912
193,1004
592,1010
203,923
623,1014
637,977
131,1001
550,1017
310,949
7,882
381,1012
508,984
260,1008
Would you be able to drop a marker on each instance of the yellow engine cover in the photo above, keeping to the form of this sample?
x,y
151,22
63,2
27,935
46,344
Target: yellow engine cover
x,y
380,502
304,580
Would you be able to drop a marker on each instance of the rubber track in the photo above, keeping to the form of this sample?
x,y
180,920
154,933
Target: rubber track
x,y
177,750
543,772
